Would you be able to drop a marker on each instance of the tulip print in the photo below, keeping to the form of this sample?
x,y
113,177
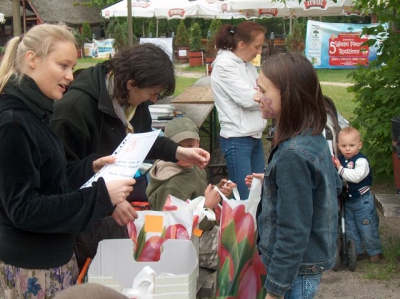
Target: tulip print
x,y
148,243
176,231
241,273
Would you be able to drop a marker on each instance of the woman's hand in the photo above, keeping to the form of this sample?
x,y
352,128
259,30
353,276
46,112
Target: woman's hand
x,y
99,163
194,156
249,178
119,190
226,187
124,213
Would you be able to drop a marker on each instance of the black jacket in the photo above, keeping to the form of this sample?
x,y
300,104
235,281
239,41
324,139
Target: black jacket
x,y
86,121
39,213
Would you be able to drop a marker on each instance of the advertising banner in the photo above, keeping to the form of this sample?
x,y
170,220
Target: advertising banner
x,y
100,48
338,45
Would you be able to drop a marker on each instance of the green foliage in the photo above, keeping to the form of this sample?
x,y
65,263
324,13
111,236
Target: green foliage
x,y
377,91
215,25
295,40
195,38
117,29
78,37
87,33
152,28
182,35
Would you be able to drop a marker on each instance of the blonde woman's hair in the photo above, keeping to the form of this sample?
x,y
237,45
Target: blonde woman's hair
x,y
40,39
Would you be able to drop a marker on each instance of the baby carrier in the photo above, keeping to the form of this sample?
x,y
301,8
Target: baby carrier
x,y
346,252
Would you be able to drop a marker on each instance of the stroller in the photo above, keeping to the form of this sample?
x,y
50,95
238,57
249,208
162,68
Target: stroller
x,y
346,253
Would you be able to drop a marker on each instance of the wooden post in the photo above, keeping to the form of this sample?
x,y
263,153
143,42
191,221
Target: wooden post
x,y
16,18
130,31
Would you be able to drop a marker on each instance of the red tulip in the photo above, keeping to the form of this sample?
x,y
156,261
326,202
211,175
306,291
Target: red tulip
x,y
151,251
176,231
250,279
244,225
168,206
132,232
195,220
226,215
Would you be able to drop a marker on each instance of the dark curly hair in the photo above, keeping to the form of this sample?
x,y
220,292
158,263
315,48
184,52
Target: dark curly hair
x,y
147,65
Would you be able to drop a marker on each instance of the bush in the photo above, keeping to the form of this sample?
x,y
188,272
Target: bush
x,y
195,38
377,88
87,33
215,25
118,31
295,40
182,35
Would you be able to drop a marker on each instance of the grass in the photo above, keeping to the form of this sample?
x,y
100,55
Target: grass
x,y
342,99
334,75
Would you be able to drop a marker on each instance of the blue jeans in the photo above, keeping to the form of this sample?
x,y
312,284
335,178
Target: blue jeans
x,y
362,223
243,155
304,287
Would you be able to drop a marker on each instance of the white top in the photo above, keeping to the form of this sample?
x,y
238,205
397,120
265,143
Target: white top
x,y
356,174
233,82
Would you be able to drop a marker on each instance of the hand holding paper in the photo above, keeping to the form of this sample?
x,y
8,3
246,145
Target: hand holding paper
x,y
129,156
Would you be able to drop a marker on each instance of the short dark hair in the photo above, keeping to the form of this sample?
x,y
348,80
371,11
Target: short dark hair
x,y
147,65
228,37
302,103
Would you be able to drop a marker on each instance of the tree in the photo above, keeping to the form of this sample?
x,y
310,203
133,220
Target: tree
x,y
87,33
295,40
377,91
117,30
215,25
182,35
195,38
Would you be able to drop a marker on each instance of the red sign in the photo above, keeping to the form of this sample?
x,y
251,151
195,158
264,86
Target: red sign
x,y
272,12
347,50
315,3
176,12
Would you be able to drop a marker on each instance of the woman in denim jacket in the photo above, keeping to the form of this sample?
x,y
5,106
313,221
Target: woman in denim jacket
x,y
298,213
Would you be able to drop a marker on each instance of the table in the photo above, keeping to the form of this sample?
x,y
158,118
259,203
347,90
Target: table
x,y
196,103
198,112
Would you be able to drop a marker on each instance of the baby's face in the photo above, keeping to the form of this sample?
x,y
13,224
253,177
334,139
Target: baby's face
x,y
349,145
189,143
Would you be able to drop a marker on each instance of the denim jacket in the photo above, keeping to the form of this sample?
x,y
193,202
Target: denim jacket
x,y
298,212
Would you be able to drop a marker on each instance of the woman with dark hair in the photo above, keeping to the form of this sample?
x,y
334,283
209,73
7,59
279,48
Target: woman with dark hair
x,y
233,81
298,218
101,106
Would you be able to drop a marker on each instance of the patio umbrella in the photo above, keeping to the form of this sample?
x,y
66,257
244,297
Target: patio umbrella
x,y
140,9
177,9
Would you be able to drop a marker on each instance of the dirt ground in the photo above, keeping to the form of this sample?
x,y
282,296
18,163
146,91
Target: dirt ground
x,y
347,284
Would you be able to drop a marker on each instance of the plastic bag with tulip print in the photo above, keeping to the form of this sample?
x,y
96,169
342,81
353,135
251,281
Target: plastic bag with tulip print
x,y
152,228
240,272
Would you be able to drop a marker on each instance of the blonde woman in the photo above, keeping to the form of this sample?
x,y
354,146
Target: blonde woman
x,y
40,213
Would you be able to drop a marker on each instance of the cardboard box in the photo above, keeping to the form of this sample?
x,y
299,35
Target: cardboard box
x,y
114,259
